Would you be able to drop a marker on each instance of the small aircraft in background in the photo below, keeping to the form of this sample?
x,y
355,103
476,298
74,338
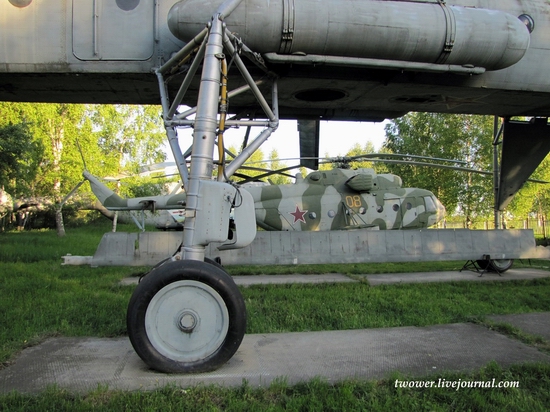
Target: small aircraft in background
x,y
167,210
336,199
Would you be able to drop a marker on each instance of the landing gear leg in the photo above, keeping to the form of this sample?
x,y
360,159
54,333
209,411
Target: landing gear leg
x,y
188,318
188,315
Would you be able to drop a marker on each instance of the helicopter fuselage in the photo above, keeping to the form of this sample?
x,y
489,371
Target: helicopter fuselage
x,y
342,199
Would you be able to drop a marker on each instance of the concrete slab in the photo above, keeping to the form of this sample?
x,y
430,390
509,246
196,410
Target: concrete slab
x,y
533,323
81,364
351,246
274,279
452,276
383,279
282,279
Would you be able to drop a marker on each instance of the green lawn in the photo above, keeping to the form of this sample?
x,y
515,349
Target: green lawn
x,y
532,395
41,298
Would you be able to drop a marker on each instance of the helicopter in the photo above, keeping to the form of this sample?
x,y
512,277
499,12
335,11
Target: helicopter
x,y
343,199
336,199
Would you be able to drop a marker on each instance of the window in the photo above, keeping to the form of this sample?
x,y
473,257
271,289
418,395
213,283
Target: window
x,y
430,205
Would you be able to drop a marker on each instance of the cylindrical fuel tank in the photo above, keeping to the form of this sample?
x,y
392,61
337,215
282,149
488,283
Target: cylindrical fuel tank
x,y
424,31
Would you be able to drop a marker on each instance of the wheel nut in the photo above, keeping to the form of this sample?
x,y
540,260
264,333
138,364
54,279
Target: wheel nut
x,y
187,322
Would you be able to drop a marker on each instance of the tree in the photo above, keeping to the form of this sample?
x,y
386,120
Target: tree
x,y
256,161
461,137
17,151
113,139
131,135
534,198
276,164
354,151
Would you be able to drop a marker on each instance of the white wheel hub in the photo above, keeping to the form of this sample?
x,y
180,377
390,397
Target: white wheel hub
x,y
186,321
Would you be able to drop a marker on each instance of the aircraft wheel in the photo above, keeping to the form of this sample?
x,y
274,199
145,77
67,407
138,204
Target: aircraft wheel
x,y
187,317
501,265
496,265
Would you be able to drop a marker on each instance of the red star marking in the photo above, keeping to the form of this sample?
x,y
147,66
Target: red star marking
x,y
298,215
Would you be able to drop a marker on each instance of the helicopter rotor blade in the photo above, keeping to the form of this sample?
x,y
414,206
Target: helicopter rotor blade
x,y
394,158
441,166
270,173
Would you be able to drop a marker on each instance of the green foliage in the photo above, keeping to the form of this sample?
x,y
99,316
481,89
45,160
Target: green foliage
x,y
112,139
131,135
142,186
534,198
459,137
276,164
18,156
61,140
256,165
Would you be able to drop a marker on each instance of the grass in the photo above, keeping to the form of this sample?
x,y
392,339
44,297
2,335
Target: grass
x,y
346,269
316,395
298,307
41,298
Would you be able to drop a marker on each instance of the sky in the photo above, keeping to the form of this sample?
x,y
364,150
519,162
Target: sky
x,y
336,138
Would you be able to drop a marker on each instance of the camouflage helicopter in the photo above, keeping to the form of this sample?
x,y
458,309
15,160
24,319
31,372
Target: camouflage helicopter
x,y
342,199
337,199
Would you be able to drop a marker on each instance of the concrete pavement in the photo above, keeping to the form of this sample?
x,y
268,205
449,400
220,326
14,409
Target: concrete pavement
x,y
384,279
81,364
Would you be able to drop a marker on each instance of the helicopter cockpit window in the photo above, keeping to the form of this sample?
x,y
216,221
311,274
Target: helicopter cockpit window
x,y
395,207
430,205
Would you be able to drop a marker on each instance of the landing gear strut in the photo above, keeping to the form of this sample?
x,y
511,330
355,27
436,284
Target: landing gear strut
x,y
189,317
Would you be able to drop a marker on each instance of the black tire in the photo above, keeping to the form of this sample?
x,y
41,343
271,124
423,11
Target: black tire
x,y
163,261
501,265
163,290
496,265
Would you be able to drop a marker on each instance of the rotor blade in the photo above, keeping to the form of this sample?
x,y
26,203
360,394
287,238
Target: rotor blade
x,y
347,159
440,166
370,155
270,173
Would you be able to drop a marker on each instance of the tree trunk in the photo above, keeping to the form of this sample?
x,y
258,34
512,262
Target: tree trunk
x,y
59,221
